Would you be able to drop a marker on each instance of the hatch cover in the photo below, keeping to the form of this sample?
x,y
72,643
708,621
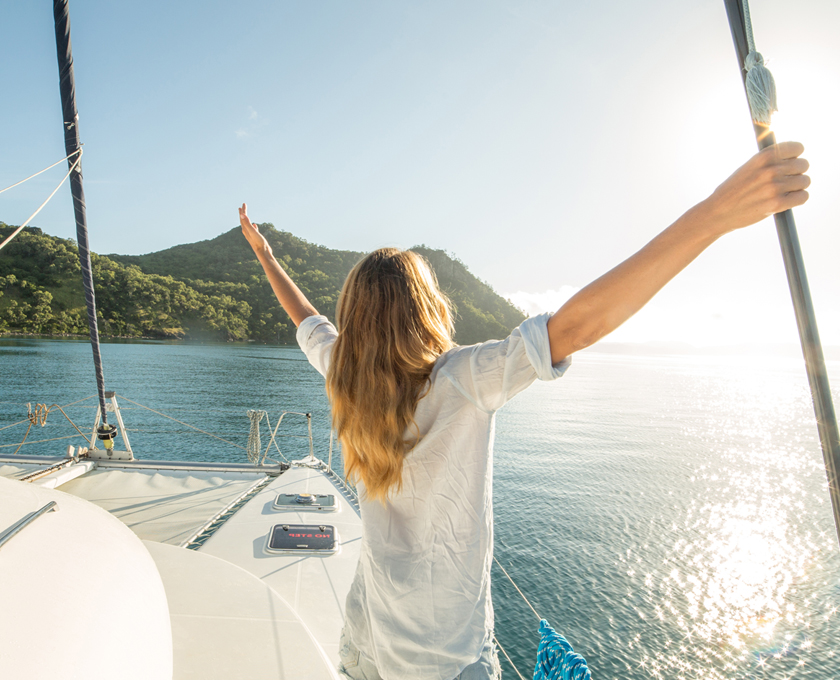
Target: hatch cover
x,y
317,538
305,501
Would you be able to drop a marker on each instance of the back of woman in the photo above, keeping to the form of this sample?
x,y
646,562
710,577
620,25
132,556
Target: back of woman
x,y
420,605
415,417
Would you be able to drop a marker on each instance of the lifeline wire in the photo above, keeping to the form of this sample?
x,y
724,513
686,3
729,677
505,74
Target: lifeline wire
x,y
39,417
521,677
209,434
27,419
495,559
517,588
42,441
32,216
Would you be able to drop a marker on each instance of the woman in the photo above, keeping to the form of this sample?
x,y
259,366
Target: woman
x,y
415,415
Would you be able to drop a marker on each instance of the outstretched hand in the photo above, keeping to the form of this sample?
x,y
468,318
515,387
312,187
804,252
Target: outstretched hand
x,y
288,294
772,181
252,233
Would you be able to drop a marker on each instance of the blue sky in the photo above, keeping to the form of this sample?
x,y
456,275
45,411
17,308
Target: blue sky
x,y
540,142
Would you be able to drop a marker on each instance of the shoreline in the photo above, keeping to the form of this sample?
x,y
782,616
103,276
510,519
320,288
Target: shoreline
x,y
143,338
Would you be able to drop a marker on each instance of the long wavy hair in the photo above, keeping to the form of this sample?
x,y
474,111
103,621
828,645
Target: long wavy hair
x,y
393,323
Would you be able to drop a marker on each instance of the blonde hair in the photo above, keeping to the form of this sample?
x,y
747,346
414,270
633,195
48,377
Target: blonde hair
x,y
393,323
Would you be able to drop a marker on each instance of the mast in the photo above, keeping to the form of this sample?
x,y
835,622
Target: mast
x,y
800,293
73,147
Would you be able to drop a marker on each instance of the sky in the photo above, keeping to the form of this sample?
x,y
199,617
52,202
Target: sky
x,y
540,142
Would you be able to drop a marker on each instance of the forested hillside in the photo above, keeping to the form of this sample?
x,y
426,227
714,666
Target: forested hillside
x,y
212,290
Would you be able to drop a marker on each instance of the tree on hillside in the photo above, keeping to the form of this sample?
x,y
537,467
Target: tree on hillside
x,y
212,289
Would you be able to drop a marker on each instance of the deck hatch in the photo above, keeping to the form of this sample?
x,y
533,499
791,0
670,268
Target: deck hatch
x,y
320,538
305,501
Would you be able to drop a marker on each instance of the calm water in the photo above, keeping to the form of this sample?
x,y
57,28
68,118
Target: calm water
x,y
668,515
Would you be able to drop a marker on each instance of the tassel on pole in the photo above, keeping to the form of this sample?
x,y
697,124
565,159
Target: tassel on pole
x,y
761,88
761,95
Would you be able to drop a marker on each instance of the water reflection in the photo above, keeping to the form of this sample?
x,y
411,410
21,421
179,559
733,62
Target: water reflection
x,y
734,580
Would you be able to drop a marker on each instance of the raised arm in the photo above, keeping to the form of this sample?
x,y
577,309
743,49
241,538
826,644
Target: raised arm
x,y
770,182
287,292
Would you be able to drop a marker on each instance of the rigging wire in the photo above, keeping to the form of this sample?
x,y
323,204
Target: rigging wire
x,y
495,559
496,640
39,172
23,403
518,590
41,441
41,207
181,422
39,417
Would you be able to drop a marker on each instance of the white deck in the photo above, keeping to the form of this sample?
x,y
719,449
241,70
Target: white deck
x,y
167,506
315,586
286,619
229,625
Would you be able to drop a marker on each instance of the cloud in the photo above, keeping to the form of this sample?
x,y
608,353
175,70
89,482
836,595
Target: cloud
x,y
538,303
255,122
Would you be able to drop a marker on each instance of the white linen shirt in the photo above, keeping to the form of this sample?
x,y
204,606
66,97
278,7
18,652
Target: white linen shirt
x,y
420,604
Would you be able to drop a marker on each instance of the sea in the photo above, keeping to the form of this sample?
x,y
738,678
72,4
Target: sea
x,y
669,515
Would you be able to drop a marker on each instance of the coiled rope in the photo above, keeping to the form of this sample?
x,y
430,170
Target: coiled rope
x,y
255,453
556,660
39,417
254,443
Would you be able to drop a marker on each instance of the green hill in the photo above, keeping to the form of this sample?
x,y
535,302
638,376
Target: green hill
x,y
213,290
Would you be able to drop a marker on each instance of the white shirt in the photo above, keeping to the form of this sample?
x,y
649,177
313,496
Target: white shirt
x,y
420,604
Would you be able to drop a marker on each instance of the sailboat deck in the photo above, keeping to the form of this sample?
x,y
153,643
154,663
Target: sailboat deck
x,y
167,506
315,586
169,503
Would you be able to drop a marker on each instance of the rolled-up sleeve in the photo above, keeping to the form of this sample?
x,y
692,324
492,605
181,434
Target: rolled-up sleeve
x,y
535,337
493,372
316,336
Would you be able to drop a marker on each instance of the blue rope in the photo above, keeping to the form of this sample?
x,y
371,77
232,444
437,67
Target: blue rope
x,y
556,660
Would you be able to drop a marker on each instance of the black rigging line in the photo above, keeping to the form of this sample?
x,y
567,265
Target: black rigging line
x,y
72,145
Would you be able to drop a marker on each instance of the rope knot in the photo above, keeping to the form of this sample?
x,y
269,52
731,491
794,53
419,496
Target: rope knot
x,y
753,59
761,88
254,443
39,415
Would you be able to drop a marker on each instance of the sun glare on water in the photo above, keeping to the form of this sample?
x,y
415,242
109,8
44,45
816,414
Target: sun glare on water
x,y
736,581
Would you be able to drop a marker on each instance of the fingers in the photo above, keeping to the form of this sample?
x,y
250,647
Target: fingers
x,y
791,177
796,166
787,150
772,181
243,217
788,172
795,183
797,198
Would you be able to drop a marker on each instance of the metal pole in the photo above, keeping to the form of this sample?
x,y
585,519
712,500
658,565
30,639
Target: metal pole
x,y
800,294
73,145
